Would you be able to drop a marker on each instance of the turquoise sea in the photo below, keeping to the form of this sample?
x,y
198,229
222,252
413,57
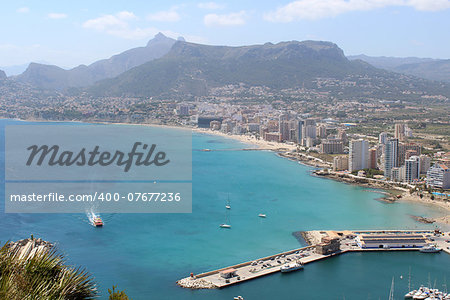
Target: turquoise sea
x,y
146,253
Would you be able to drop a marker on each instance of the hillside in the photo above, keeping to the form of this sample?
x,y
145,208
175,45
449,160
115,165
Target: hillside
x,y
193,69
434,70
427,68
53,77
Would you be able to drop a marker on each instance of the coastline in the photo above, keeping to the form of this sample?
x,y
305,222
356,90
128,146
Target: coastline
x,y
282,150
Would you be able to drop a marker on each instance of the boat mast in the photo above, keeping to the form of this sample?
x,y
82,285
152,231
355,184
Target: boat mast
x,y
409,279
391,293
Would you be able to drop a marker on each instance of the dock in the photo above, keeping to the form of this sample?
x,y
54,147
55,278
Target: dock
x,y
322,245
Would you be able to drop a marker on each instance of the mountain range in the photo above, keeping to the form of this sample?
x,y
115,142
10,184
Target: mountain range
x,y
53,77
167,67
428,68
194,69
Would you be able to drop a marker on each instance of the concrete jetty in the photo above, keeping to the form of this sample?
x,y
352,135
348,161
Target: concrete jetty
x,y
323,244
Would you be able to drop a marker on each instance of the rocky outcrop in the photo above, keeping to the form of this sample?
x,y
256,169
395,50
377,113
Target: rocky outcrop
x,y
28,248
194,283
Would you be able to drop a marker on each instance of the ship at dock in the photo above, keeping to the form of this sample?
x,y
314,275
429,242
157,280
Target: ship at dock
x,y
291,267
430,249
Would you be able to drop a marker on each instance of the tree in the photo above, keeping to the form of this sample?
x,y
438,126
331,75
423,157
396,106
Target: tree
x,y
41,275
117,295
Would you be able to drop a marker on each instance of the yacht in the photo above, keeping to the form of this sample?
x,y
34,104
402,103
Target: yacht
x,y
262,215
430,249
97,222
291,267
227,221
228,206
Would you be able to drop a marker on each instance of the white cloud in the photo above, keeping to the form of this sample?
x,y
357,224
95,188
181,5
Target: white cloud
x,y
57,16
23,10
317,9
211,5
170,15
108,23
232,19
119,25
429,5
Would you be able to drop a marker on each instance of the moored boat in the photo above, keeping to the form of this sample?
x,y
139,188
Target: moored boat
x,y
430,249
291,267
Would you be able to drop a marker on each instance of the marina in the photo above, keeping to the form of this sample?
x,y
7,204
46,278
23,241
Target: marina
x,y
323,244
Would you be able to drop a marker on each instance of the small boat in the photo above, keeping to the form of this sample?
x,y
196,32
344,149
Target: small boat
x,y
430,249
238,298
262,215
228,206
227,221
291,267
97,222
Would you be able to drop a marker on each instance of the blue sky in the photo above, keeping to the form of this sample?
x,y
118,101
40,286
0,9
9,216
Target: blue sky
x,y
68,33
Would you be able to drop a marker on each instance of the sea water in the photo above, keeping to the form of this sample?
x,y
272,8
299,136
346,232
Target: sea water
x,y
146,253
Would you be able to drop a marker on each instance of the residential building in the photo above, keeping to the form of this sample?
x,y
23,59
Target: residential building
x,y
412,169
397,173
438,176
340,163
390,156
321,131
399,132
404,150
425,163
382,138
342,135
331,147
373,158
358,157
284,130
301,137
272,137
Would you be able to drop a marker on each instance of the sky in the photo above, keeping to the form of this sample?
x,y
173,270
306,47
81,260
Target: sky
x,y
69,33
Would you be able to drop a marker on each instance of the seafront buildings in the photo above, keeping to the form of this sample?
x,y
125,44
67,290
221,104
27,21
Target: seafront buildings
x,y
358,157
390,157
438,176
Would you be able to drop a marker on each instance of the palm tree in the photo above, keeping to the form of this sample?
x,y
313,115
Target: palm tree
x,y
29,273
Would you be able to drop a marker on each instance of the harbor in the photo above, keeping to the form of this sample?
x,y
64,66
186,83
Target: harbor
x,y
322,245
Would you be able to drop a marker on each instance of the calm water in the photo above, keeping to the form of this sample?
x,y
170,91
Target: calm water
x,y
146,253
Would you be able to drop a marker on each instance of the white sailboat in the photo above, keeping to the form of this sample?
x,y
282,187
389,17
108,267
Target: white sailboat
x,y
227,221
228,206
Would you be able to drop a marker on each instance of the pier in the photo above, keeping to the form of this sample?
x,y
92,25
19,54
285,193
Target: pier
x,y
323,244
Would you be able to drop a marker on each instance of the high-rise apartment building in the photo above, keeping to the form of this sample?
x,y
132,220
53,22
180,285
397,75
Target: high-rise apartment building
x,y
390,156
358,157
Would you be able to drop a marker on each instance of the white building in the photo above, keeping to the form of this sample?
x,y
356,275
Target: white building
x,y
412,169
438,176
358,157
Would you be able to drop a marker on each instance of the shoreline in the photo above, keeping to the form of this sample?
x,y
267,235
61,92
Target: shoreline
x,y
281,148
390,197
